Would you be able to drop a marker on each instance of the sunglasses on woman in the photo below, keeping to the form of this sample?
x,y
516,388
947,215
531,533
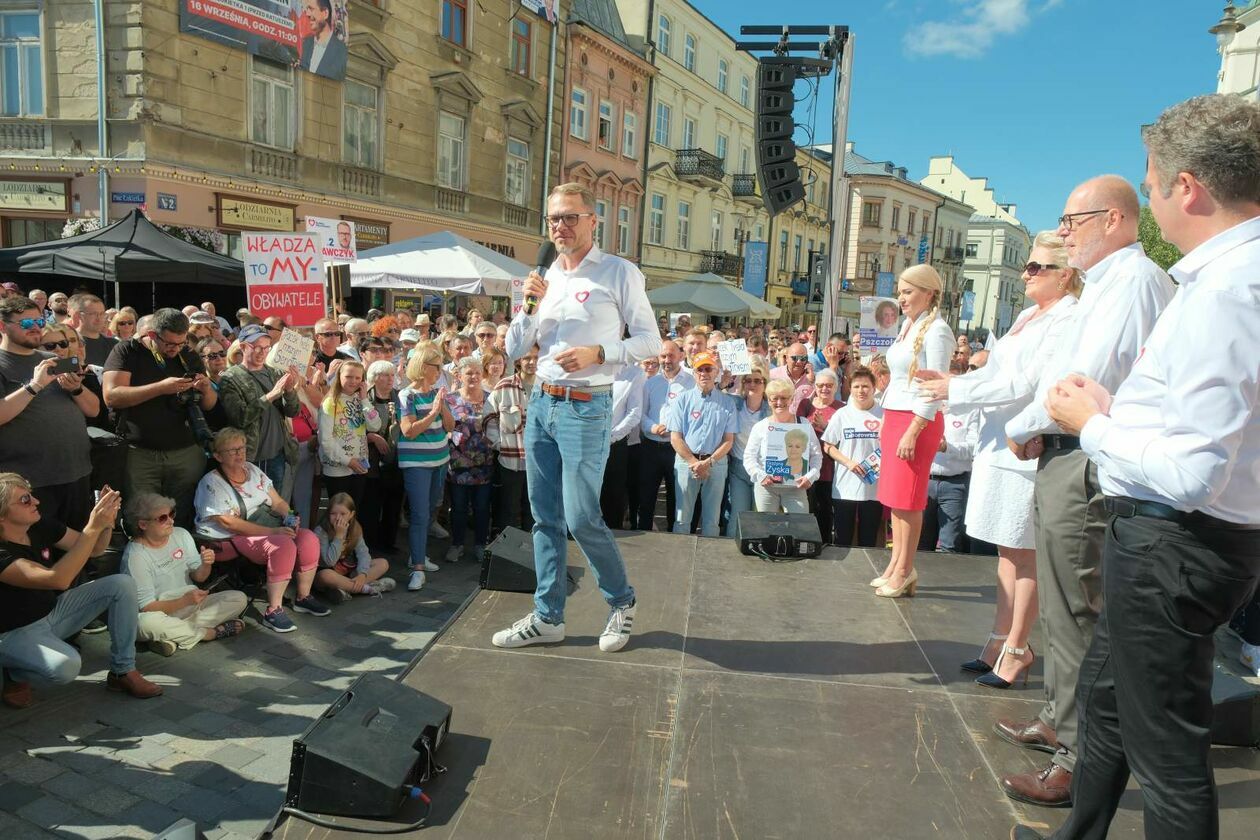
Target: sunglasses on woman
x,y
1035,268
52,345
212,356
161,517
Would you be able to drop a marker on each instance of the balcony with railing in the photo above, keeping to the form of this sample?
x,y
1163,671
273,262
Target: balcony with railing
x,y
23,136
450,201
699,167
721,263
272,163
744,188
954,255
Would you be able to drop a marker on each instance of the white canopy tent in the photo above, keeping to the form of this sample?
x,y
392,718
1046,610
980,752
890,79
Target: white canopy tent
x,y
711,295
443,262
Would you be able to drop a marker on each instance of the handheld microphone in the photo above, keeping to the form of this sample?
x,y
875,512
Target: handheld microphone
x,y
546,256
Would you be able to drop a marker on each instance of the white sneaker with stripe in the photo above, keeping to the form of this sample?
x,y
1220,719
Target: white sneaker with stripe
x,y
617,631
530,630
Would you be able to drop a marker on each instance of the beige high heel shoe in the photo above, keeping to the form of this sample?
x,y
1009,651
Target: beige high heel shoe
x,y
906,590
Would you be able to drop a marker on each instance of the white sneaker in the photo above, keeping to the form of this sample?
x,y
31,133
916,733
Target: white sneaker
x,y
436,530
430,566
385,585
530,630
416,581
337,596
617,631
1250,657
453,553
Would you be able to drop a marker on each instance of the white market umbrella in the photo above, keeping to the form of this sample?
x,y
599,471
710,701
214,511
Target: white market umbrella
x,y
442,262
711,295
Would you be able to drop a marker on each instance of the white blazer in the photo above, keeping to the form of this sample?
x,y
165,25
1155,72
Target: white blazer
x,y
1008,382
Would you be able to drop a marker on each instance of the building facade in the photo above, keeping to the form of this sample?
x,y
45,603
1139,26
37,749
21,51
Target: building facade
x,y
795,236
701,203
438,121
1240,54
996,248
605,135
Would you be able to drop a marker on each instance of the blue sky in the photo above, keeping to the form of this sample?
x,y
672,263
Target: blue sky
x,y
1036,95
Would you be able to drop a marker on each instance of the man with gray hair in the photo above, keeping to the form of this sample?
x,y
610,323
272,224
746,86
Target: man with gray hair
x,y
355,330
1178,456
1125,292
87,315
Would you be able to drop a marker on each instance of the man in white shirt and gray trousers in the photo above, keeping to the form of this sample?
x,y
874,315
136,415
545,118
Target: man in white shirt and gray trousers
x,y
1178,455
584,305
1125,292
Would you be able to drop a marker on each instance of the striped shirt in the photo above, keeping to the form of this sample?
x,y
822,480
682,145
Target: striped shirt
x,y
430,448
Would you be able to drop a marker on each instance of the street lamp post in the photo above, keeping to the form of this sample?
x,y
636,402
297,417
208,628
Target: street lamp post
x,y
1227,27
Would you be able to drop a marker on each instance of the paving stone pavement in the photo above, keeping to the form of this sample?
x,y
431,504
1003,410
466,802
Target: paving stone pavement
x,y
86,763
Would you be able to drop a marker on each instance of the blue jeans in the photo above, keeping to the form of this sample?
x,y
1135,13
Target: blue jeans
x,y
709,491
424,491
741,493
38,651
479,496
947,496
567,447
274,469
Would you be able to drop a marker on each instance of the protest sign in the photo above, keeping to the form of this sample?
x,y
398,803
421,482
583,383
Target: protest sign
x,y
735,357
336,239
787,445
879,322
518,295
292,350
284,277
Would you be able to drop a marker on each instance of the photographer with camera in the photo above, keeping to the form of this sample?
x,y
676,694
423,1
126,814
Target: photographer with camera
x,y
158,388
42,404
257,399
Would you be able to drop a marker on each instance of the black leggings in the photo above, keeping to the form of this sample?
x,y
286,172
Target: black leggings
x,y
352,484
869,516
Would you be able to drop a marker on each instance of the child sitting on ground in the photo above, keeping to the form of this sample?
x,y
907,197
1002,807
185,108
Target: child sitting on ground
x,y
346,568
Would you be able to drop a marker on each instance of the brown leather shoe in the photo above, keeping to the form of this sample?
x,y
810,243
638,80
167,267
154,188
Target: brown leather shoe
x,y
17,695
1031,734
132,683
1049,788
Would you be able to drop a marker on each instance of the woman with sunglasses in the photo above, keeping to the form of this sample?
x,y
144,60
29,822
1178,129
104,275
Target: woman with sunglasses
x,y
1000,498
123,325
751,407
168,568
62,341
213,354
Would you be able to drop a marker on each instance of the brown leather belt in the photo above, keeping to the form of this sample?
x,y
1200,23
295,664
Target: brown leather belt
x,y
560,392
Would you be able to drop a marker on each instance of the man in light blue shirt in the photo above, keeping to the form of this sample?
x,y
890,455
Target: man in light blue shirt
x,y
702,429
660,393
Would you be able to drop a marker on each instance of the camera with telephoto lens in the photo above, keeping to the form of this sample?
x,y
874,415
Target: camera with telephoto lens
x,y
190,401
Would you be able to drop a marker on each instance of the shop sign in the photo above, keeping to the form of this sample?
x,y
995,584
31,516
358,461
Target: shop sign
x,y
254,215
369,234
33,195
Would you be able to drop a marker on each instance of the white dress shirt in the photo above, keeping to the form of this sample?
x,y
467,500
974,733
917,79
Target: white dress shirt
x,y
902,394
1008,381
659,394
1124,294
1183,428
592,304
962,436
627,403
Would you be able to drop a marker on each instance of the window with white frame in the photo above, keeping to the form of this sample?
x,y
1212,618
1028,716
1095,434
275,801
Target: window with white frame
x,y
718,238
783,248
745,91
722,144
663,115
21,64
629,134
689,53
684,226
623,229
520,53
577,113
656,219
662,35
601,222
689,133
724,72
605,128
745,158
274,105
796,253
516,185
361,124
451,157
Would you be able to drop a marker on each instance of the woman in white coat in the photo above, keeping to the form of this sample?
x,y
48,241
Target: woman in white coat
x,y
1000,499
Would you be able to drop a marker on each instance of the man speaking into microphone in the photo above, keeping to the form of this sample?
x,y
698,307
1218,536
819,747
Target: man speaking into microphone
x,y
577,315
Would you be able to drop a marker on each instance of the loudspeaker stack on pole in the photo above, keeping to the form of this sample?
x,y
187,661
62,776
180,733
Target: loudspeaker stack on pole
x,y
777,170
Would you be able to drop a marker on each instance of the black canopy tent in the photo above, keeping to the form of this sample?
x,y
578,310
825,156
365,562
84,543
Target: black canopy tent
x,y
130,252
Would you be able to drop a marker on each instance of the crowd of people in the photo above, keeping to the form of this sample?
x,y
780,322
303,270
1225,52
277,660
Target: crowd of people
x,y
178,422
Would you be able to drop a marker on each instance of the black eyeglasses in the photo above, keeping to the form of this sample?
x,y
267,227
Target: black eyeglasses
x,y
50,345
1069,221
329,335
1035,268
216,355
568,219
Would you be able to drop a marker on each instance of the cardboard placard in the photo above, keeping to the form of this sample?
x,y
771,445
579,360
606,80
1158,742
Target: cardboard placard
x,y
293,349
735,356
284,277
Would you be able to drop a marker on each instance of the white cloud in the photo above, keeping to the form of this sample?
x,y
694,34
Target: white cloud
x,y
974,28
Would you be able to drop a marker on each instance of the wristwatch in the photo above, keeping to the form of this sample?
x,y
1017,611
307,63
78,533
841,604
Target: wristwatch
x,y
31,389
601,354
77,391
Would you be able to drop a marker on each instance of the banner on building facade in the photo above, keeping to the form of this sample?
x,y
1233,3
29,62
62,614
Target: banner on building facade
x,y
756,263
311,34
885,284
542,8
968,309
336,239
284,277
878,323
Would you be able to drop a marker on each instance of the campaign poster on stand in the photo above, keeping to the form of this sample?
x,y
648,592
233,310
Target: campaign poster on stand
x,y
284,277
879,323
787,451
337,242
311,34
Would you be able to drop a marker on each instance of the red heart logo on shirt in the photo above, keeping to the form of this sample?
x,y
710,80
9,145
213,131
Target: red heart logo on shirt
x,y
178,554
872,424
695,415
672,395
582,296
957,424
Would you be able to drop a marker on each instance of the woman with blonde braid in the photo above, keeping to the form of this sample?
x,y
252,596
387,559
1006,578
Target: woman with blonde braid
x,y
913,425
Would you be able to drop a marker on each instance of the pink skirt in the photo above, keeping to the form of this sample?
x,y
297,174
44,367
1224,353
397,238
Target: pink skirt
x,y
903,485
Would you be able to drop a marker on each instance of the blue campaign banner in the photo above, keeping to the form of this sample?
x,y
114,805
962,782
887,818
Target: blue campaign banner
x,y
127,197
756,262
923,249
885,285
968,309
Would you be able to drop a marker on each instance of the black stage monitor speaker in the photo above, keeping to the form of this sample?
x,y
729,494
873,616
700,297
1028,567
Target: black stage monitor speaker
x,y
364,754
508,564
779,536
